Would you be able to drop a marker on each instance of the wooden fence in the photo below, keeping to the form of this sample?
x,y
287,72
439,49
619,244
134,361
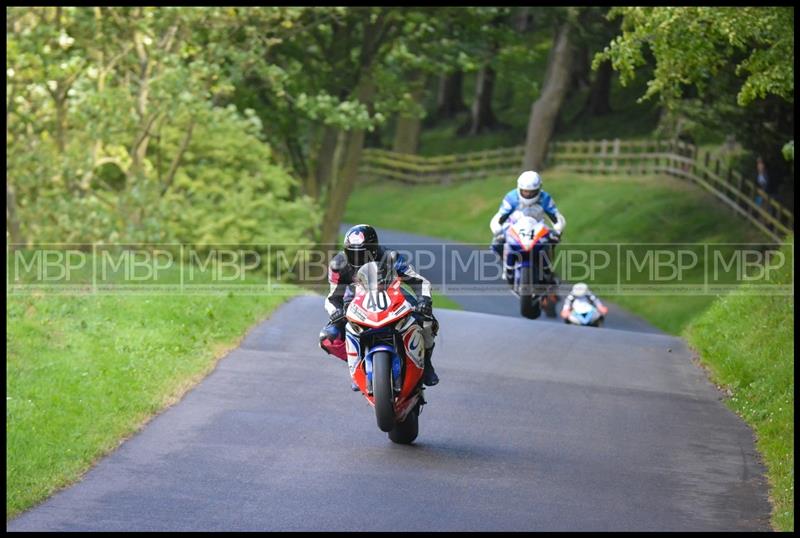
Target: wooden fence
x,y
640,157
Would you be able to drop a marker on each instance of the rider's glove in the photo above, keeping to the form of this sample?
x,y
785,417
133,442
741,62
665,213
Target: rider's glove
x,y
337,316
555,236
425,307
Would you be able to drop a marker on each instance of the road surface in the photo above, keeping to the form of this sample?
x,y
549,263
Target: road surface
x,y
534,427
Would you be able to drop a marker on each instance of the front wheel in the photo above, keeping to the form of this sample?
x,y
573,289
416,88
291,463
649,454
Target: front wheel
x,y
528,303
382,392
405,432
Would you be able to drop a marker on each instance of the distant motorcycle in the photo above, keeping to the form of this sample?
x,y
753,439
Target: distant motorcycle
x,y
385,350
585,313
527,238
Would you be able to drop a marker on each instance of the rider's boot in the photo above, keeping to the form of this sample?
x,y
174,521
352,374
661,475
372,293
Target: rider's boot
x,y
429,377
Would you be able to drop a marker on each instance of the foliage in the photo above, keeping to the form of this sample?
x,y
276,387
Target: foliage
x,y
727,69
115,130
693,44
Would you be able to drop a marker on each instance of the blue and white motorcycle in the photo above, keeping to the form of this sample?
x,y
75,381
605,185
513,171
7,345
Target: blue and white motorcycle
x,y
585,313
527,239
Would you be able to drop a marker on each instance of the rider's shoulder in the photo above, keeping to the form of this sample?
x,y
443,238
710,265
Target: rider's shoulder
x,y
510,200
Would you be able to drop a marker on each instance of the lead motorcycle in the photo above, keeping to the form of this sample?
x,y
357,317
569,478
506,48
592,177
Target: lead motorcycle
x,y
528,239
385,349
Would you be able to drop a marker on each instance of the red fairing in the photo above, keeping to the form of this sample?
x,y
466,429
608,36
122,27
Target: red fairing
x,y
380,309
366,309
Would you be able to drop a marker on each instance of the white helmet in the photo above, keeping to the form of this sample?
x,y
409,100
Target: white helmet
x,y
530,182
579,290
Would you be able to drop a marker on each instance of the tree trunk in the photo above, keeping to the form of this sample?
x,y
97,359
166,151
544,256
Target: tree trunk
x,y
522,21
482,117
323,175
406,137
373,138
450,100
600,93
581,71
337,198
545,110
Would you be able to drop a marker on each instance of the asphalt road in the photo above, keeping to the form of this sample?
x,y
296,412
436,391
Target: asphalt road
x,y
534,426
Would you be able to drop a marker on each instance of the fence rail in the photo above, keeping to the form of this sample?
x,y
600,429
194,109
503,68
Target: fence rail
x,y
641,157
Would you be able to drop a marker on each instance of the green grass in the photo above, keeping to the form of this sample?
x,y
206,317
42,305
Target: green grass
x,y
747,343
607,209
442,301
84,372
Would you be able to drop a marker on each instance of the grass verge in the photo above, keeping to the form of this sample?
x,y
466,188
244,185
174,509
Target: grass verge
x,y
608,209
746,341
84,372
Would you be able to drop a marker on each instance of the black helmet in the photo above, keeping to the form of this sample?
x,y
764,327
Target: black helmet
x,y
361,245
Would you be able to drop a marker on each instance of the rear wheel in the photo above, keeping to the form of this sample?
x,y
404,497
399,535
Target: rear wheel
x,y
528,304
382,390
405,432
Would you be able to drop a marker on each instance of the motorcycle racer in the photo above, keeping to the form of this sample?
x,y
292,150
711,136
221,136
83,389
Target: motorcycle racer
x,y
361,246
581,291
527,199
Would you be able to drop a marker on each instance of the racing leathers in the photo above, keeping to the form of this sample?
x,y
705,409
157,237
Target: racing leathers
x,y
340,279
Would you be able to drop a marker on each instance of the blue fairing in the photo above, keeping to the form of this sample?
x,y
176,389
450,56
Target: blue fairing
x,y
586,318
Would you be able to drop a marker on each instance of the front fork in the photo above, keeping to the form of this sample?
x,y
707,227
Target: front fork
x,y
397,382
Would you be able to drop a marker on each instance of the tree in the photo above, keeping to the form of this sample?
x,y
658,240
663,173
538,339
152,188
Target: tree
x,y
108,109
545,109
711,61
450,97
693,44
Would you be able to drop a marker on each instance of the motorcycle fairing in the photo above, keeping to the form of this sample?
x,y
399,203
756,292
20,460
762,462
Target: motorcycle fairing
x,y
378,308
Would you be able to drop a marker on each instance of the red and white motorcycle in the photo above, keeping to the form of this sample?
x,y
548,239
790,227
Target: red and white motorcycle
x,y
385,349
